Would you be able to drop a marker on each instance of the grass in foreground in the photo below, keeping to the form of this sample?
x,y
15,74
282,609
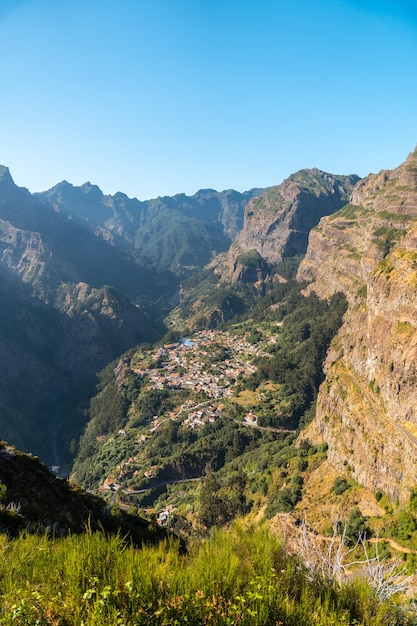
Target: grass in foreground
x,y
237,576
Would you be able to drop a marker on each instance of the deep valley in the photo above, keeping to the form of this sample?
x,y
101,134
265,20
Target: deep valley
x,y
213,364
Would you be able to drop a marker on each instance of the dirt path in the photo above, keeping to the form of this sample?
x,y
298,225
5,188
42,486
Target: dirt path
x,y
393,544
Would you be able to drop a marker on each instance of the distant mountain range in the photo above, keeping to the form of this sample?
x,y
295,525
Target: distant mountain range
x,y
180,233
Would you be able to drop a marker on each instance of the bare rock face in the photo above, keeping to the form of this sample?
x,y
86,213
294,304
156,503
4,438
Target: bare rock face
x,y
277,223
367,406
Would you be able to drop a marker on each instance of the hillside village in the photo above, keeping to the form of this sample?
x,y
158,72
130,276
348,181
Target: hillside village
x,y
207,365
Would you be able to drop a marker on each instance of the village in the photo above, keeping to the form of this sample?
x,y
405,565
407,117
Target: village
x,y
208,365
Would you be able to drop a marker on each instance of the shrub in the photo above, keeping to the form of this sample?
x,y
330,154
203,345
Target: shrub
x,y
340,485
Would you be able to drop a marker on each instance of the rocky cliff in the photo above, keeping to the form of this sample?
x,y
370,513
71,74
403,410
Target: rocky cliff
x,y
277,223
367,405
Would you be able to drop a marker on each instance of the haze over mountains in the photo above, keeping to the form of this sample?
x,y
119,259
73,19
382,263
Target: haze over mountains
x,y
87,277
180,233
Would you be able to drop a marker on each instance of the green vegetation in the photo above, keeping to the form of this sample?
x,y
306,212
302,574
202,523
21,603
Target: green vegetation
x,y
349,211
295,361
251,258
237,576
34,500
159,457
289,266
396,217
340,485
384,268
385,237
356,526
220,504
362,292
401,524
206,304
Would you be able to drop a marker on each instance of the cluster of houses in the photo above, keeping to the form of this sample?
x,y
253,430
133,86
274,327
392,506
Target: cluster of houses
x,y
192,365
164,514
202,416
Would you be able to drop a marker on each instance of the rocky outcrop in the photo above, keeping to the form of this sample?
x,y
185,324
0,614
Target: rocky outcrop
x,y
366,408
277,223
276,227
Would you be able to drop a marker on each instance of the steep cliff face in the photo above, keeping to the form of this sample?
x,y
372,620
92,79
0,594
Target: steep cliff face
x,y
276,228
278,222
367,405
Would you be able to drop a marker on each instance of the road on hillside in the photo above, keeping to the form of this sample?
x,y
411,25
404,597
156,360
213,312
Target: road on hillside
x,y
165,482
393,544
269,428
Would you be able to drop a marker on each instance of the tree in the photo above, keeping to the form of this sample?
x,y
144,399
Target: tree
x,y
340,485
330,562
211,510
355,527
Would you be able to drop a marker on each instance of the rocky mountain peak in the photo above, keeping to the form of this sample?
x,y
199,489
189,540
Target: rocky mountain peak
x,y
92,190
278,222
5,176
8,187
395,187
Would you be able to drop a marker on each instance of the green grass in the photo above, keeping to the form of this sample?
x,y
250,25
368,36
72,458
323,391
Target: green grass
x,y
349,211
397,217
236,576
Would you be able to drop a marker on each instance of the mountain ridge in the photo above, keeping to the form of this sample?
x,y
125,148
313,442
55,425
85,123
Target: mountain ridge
x,y
266,251
370,374
164,231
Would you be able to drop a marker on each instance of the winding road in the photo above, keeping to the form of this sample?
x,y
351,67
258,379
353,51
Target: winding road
x,y
165,482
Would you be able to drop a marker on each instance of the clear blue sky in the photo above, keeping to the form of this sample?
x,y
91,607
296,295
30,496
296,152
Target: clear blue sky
x,y
157,97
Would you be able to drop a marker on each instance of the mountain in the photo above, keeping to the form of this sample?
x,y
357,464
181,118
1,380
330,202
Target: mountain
x,y
48,249
180,233
67,307
72,303
278,396
366,406
277,223
267,250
